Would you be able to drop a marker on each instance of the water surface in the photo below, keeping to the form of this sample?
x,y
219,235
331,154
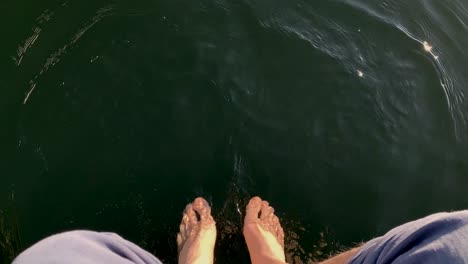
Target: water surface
x,y
349,116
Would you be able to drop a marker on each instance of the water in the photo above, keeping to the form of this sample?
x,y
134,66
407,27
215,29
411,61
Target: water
x,y
349,116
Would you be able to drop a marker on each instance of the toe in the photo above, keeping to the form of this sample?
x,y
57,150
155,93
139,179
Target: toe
x,y
185,221
280,236
254,203
278,230
276,221
202,207
267,211
182,235
191,215
253,209
180,242
200,203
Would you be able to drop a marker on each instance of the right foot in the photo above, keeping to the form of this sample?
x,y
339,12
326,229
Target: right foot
x,y
263,233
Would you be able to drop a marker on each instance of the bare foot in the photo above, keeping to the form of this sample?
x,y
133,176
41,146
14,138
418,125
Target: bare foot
x,y
197,235
263,233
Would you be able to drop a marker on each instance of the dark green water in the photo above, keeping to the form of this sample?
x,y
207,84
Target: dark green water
x,y
115,114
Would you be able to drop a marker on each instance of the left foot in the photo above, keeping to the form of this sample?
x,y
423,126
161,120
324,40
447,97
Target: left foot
x,y
197,236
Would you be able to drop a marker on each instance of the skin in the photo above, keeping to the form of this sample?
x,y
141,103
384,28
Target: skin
x,y
197,236
342,258
262,232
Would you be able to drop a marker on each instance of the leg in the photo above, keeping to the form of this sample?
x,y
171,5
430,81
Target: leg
x,y
263,233
342,258
439,238
197,236
85,247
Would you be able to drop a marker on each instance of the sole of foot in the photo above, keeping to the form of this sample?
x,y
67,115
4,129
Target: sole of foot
x,y
197,236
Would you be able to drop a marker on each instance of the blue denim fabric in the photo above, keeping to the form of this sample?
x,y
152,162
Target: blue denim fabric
x,y
85,247
439,238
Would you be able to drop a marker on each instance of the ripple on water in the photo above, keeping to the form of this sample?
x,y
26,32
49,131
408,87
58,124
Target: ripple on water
x,y
36,31
56,56
429,23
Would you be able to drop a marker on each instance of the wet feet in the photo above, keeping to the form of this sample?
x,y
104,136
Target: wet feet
x,y
263,233
197,235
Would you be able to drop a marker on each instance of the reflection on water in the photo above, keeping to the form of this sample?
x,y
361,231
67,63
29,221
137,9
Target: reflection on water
x,y
116,114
